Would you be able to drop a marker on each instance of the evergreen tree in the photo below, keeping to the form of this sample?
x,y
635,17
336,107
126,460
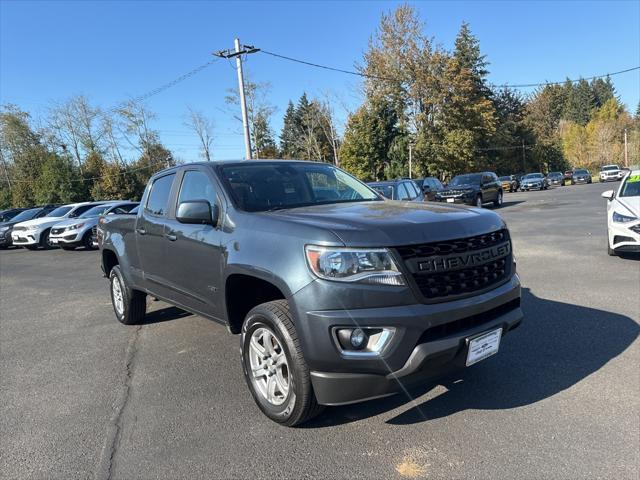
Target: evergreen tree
x,y
603,90
580,103
467,52
290,133
368,138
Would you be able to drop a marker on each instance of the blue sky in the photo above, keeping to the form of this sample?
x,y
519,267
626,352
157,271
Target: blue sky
x,y
110,51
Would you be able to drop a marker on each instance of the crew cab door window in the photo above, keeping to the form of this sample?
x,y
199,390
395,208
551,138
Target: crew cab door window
x,y
158,201
196,186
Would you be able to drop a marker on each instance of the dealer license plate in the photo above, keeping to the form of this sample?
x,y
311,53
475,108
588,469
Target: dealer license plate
x,y
483,346
450,200
53,240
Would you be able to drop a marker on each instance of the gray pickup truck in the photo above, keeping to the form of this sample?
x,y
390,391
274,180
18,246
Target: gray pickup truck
x,y
338,294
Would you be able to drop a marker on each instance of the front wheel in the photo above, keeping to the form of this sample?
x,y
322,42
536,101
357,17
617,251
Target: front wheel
x,y
479,201
274,367
129,305
45,241
88,241
498,201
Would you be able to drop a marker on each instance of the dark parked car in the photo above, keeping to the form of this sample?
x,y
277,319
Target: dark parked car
x,y
336,298
430,187
556,179
27,214
6,215
534,181
509,183
473,189
405,190
581,175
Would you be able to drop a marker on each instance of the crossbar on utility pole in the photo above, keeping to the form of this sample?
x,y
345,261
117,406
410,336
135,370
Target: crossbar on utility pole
x,y
239,51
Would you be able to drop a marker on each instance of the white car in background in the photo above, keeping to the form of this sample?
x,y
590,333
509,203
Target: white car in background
x,y
81,231
623,215
33,234
610,173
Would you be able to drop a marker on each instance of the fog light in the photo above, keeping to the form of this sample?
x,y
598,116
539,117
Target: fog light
x,y
358,339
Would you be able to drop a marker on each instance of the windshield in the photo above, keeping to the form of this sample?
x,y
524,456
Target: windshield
x,y
580,172
8,215
468,179
60,211
533,175
385,190
26,215
610,167
631,186
95,211
259,187
555,174
505,179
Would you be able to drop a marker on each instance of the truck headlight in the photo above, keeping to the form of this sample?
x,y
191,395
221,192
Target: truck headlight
x,y
373,266
619,218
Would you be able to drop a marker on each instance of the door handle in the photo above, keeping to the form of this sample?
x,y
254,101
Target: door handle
x,y
171,236
141,231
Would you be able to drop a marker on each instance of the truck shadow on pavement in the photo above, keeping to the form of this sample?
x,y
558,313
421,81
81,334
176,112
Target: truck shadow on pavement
x,y
557,345
164,315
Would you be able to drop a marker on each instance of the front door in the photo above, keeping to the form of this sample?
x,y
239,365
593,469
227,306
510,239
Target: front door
x,y
195,252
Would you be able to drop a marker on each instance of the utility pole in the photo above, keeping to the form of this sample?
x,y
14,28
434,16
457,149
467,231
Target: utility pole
x,y
626,149
410,158
239,51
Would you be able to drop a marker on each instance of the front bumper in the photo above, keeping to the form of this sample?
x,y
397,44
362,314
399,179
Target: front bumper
x,y
66,237
25,237
460,199
580,180
429,341
529,186
622,238
611,178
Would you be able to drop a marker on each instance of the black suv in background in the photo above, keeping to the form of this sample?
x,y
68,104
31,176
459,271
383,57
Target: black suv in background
x,y
404,190
473,189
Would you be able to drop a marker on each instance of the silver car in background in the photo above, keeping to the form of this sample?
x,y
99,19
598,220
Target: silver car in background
x,y
81,231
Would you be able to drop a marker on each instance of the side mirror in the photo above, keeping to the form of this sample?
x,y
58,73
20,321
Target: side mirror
x,y
197,212
609,194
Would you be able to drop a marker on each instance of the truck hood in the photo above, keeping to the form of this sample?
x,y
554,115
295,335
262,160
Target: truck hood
x,y
42,222
392,223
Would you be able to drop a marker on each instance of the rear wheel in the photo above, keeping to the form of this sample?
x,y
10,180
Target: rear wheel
x,y
274,367
129,305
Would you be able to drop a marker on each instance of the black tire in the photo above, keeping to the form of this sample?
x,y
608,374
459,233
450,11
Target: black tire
x,y
44,240
134,302
478,203
87,241
498,201
300,404
67,247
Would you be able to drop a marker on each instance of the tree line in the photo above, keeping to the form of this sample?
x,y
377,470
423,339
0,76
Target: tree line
x,y
417,97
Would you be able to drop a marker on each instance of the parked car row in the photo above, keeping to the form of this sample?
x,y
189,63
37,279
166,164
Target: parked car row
x,y
66,226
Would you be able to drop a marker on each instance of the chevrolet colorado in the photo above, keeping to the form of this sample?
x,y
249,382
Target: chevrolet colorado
x,y
338,294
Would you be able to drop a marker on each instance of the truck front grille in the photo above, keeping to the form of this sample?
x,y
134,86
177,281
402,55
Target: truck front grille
x,y
459,267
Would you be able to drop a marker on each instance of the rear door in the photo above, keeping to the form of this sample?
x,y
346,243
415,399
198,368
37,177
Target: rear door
x,y
489,187
150,235
194,252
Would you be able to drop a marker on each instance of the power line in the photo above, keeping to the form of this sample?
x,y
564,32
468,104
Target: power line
x,y
365,75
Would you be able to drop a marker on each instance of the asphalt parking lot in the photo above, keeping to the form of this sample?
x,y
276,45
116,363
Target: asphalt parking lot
x,y
82,396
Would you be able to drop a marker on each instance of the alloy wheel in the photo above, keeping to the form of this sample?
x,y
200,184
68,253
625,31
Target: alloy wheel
x,y
269,368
